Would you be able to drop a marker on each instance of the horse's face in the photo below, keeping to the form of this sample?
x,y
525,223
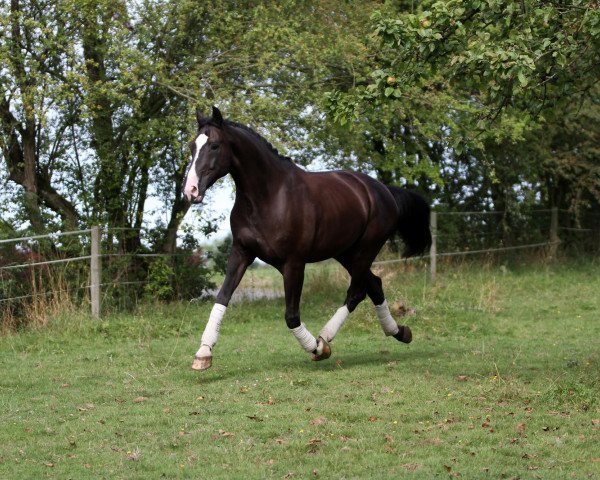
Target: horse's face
x,y
211,160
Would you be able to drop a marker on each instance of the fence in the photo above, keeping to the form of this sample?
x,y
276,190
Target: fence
x,y
93,265
497,232
33,260
552,242
453,234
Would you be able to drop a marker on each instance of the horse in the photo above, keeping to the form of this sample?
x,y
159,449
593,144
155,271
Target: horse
x,y
288,217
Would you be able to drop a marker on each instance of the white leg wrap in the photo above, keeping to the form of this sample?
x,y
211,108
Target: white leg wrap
x,y
388,324
211,331
305,338
332,327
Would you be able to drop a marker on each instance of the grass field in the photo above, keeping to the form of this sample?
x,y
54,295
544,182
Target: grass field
x,y
501,381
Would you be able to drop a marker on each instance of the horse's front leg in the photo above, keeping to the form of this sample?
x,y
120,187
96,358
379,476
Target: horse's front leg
x,y
237,263
293,279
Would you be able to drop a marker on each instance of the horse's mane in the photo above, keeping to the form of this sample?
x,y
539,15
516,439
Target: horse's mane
x,y
252,132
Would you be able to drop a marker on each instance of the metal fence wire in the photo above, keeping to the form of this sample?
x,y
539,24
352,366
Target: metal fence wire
x,y
80,254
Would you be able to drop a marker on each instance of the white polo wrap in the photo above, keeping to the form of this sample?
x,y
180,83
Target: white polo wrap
x,y
332,327
211,331
306,339
388,324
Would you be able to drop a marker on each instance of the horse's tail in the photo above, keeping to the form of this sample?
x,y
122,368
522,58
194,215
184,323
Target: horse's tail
x,y
413,221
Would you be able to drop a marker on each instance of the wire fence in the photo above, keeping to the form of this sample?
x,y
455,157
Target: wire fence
x,y
52,236
465,233
90,266
92,270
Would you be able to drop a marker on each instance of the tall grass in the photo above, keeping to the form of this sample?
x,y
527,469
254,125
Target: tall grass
x,y
49,294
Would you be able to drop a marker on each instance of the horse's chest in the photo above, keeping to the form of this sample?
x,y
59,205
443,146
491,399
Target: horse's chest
x,y
261,232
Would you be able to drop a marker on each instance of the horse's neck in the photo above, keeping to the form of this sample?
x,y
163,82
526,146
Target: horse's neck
x,y
260,174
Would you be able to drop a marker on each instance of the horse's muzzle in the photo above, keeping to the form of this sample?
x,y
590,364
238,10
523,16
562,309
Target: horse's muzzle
x,y
194,199
192,195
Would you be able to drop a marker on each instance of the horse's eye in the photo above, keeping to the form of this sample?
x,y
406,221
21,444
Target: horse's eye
x,y
214,146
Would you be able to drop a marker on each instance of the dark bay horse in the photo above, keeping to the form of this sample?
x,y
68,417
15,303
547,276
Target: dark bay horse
x,y
288,217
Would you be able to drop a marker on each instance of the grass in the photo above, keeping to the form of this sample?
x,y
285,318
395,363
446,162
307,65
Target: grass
x,y
501,381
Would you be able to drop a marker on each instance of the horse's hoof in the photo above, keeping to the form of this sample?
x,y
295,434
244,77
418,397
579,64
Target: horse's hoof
x,y
325,350
202,363
404,334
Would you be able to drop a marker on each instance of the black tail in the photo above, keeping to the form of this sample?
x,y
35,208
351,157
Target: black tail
x,y
413,221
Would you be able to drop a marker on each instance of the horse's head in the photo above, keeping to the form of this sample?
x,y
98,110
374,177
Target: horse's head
x,y
211,157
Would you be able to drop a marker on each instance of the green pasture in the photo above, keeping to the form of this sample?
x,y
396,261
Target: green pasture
x,y
501,381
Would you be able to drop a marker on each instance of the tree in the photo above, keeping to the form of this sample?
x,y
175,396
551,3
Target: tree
x,y
470,84
116,86
32,148
98,97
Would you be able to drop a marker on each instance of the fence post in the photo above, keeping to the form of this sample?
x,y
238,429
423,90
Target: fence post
x,y
96,272
554,232
433,249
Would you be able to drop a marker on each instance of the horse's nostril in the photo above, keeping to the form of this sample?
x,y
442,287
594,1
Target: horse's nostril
x,y
190,192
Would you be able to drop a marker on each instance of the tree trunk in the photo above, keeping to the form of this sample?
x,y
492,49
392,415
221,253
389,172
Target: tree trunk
x,y
178,211
32,201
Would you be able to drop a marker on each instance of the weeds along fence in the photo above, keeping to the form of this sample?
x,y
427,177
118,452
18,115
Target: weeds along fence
x,y
41,275
44,274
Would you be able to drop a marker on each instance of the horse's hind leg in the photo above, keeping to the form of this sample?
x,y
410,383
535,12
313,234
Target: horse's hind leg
x,y
401,333
363,283
361,286
356,293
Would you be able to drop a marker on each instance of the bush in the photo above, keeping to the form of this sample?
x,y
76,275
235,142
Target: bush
x,y
159,282
220,255
192,277
181,278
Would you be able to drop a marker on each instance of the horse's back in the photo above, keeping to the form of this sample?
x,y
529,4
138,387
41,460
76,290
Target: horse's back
x,y
315,216
348,207
353,192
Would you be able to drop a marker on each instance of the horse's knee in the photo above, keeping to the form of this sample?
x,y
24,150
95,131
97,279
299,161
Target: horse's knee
x,y
292,320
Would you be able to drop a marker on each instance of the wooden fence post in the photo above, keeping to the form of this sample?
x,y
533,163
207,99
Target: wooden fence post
x,y
96,272
554,232
433,249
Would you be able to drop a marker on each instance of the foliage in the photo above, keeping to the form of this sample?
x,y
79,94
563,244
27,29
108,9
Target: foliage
x,y
568,148
116,84
184,277
220,254
98,98
489,54
467,91
193,278
424,86
504,367
159,280
29,295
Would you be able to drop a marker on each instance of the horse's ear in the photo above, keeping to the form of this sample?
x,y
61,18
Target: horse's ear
x,y
216,116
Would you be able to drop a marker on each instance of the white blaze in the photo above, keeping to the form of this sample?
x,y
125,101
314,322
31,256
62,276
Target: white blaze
x,y
191,182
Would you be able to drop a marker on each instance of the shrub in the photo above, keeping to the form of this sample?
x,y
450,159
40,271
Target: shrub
x,y
159,282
